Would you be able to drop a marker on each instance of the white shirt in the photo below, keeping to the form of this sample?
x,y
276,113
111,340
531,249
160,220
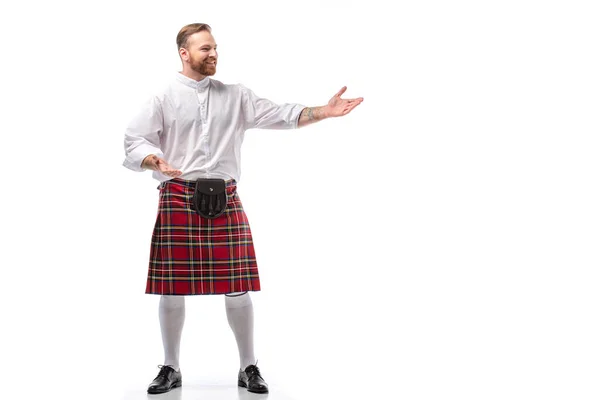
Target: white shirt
x,y
198,127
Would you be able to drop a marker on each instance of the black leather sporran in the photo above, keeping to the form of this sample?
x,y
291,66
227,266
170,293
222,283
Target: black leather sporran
x,y
210,197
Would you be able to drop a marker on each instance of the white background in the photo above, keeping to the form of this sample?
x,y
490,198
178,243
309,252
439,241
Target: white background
x,y
451,251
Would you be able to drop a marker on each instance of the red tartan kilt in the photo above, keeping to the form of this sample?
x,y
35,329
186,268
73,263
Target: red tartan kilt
x,y
192,255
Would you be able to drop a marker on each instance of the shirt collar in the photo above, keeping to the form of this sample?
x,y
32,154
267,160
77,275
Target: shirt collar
x,y
199,85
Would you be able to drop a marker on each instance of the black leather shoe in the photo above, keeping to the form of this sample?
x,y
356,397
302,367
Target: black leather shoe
x,y
166,380
250,378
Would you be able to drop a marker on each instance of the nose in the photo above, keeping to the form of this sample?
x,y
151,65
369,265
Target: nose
x,y
213,53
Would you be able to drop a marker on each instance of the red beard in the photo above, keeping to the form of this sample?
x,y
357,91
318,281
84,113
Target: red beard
x,y
204,68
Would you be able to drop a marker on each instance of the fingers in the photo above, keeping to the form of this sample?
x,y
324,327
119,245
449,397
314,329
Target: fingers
x,y
170,172
166,169
173,173
350,106
354,101
341,92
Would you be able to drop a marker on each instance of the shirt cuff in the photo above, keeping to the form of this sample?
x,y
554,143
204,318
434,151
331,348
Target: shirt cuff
x,y
296,111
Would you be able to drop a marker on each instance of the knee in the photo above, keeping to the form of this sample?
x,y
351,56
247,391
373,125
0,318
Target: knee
x,y
172,302
237,299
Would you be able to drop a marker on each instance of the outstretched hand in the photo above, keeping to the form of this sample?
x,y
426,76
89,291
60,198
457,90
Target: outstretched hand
x,y
156,163
338,106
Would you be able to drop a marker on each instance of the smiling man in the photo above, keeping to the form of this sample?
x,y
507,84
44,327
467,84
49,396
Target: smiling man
x,y
190,136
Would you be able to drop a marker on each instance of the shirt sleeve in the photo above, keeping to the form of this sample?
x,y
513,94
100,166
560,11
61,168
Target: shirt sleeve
x,y
262,113
142,135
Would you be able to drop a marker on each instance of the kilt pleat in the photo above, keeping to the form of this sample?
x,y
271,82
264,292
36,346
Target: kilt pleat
x,y
192,255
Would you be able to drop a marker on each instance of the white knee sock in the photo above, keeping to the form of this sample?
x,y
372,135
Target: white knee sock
x,y
240,315
171,314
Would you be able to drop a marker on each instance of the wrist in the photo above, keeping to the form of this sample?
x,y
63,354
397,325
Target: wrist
x,y
147,162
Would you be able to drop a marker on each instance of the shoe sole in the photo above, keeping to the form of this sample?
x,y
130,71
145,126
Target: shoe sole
x,y
242,384
175,385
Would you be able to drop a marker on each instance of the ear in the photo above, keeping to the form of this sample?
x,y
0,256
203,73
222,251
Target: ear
x,y
183,53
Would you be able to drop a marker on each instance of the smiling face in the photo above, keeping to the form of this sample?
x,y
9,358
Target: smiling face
x,y
200,54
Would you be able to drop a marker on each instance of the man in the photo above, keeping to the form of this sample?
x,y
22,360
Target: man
x,y
190,135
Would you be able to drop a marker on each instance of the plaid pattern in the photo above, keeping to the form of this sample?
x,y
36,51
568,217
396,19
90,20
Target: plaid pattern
x,y
192,255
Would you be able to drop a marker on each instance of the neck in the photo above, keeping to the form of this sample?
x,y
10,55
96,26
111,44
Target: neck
x,y
190,73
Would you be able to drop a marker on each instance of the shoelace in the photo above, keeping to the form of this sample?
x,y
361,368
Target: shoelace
x,y
253,370
164,371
